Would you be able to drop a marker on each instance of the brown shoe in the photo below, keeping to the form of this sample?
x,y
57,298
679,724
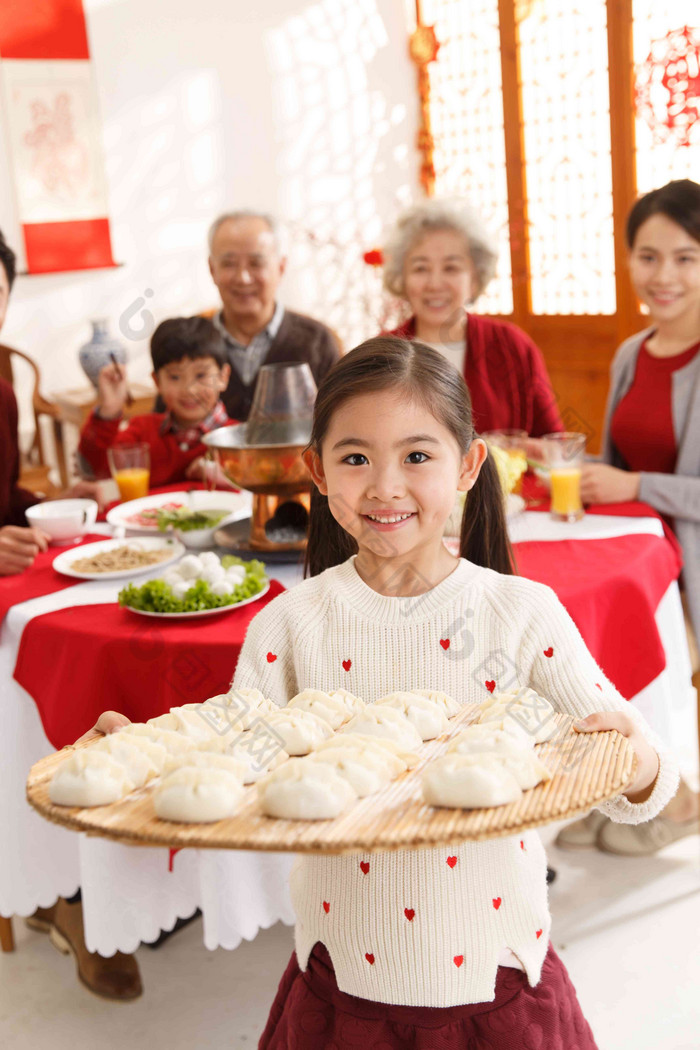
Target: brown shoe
x,y
641,840
116,978
41,920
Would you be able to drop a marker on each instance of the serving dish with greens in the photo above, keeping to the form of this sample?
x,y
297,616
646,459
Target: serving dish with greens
x,y
198,585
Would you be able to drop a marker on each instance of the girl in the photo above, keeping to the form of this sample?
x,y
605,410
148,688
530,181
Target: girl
x,y
651,442
431,947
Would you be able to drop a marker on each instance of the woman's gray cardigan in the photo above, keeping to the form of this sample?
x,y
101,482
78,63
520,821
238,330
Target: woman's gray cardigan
x,y
676,495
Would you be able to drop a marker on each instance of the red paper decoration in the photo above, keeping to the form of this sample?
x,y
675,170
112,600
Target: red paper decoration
x,y
667,91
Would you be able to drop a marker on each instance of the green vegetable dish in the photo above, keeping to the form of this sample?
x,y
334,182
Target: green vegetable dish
x,y
158,595
187,520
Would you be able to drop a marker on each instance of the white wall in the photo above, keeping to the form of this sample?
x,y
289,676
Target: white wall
x,y
306,109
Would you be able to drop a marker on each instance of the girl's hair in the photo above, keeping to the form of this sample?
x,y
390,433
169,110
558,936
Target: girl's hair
x,y
679,201
425,377
435,214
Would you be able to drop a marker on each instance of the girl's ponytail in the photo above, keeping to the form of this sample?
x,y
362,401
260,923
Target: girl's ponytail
x,y
328,543
484,538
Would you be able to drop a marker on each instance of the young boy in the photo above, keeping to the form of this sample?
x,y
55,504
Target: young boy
x,y
190,370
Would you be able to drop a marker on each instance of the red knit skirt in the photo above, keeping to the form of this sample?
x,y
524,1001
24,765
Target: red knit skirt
x,y
310,1013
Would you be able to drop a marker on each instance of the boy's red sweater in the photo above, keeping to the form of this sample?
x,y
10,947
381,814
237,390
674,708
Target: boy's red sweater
x,y
169,460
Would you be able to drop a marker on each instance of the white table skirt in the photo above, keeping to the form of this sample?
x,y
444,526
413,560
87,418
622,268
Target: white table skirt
x,y
129,895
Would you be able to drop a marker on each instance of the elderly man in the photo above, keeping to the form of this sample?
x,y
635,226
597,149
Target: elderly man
x,y
246,264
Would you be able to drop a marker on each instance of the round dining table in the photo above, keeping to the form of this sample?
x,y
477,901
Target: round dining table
x,y
68,652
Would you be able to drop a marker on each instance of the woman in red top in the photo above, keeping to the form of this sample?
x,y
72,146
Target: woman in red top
x,y
651,440
439,258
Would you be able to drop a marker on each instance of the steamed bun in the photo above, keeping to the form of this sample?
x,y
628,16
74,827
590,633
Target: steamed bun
x,y
425,715
141,758
365,770
491,736
397,757
303,790
208,760
174,743
89,778
197,795
256,765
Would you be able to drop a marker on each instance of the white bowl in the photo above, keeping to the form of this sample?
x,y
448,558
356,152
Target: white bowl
x,y
63,520
200,539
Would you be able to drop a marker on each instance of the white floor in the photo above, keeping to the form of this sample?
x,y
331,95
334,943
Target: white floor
x,y
627,930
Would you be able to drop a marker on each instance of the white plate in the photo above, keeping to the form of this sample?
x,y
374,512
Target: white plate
x,y
63,562
236,504
200,612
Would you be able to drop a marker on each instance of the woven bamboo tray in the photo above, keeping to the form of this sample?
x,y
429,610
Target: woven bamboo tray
x,y
587,768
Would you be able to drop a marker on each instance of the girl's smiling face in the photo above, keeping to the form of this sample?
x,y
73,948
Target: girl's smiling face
x,y
391,472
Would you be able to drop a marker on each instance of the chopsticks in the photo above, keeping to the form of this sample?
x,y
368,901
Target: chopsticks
x,y
129,398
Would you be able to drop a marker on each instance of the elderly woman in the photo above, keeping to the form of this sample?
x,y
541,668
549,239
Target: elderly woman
x,y
651,442
439,258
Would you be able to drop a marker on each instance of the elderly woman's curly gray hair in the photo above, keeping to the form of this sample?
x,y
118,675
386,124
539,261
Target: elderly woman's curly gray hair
x,y
414,223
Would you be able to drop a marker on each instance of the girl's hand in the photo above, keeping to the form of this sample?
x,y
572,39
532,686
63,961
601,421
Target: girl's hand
x,y
107,723
640,787
112,391
601,483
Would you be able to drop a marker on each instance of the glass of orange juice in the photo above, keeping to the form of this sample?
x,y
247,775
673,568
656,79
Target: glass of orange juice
x,y
564,456
130,466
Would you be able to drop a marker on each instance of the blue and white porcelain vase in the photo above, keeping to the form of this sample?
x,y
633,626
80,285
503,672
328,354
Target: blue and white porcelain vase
x,y
99,351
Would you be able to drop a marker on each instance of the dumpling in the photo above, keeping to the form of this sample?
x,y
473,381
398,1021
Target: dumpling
x,y
491,736
174,743
527,768
197,796
398,758
330,709
252,697
426,716
188,720
299,731
258,757
141,762
525,708
365,770
448,705
228,710
383,721
89,778
303,790
354,705
469,782
208,760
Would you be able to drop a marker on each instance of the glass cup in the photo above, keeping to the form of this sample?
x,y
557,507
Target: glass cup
x,y
513,442
564,456
283,405
130,467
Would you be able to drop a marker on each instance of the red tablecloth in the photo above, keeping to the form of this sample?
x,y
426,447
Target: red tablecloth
x,y
38,580
611,589
78,662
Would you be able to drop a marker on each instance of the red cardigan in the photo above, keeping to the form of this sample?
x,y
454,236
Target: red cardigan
x,y
506,376
13,499
168,461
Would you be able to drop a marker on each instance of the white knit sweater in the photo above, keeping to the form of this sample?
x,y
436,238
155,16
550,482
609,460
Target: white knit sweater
x,y
427,927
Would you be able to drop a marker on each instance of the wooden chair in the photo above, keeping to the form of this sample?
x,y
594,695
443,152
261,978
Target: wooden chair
x,y
34,471
7,940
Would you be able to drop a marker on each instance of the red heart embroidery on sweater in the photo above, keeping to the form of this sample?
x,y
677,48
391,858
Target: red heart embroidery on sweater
x,y
271,657
364,864
522,844
496,902
458,960
370,958
409,913
347,664
445,643
599,686
452,861
326,907
490,686
538,934
548,652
